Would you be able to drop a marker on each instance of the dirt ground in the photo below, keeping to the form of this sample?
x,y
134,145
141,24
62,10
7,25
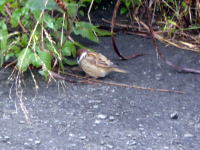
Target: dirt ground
x,y
102,117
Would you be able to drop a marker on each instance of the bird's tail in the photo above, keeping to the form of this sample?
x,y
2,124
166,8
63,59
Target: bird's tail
x,y
119,70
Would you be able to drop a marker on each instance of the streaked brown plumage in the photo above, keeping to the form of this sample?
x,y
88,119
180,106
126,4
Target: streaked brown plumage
x,y
95,64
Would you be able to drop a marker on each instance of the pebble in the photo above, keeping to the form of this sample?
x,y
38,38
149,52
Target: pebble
x,y
102,142
22,122
71,135
158,76
26,144
144,73
83,137
37,142
97,121
95,106
117,114
1,92
159,134
5,138
101,116
131,142
109,146
132,103
165,147
188,135
111,118
174,115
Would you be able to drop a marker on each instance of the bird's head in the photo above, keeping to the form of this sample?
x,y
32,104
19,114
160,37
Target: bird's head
x,y
81,53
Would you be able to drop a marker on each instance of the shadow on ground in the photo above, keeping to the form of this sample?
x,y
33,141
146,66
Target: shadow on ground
x,y
101,117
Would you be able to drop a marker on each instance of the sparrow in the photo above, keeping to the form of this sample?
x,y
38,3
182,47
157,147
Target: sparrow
x,y
95,64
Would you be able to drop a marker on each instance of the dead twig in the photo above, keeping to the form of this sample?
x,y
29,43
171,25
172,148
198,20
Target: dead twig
x,y
120,84
158,51
113,36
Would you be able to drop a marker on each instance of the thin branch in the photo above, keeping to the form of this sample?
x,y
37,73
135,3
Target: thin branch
x,y
113,36
121,84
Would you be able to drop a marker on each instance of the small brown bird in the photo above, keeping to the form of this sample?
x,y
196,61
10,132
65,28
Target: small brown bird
x,y
95,64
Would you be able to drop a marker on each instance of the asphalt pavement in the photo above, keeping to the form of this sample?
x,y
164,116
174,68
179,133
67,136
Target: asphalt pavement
x,y
101,117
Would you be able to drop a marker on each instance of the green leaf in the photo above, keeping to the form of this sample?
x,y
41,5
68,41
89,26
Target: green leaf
x,y
136,2
2,2
8,56
123,10
40,4
49,21
35,60
81,12
44,73
15,17
69,62
3,41
3,35
45,58
36,14
86,1
58,23
69,49
24,40
16,50
101,32
126,3
72,9
172,22
24,59
85,30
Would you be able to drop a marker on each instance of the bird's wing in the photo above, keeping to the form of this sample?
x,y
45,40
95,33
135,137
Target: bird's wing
x,y
99,59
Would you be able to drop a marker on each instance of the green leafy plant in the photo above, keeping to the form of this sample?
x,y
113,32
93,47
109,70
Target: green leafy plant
x,y
38,33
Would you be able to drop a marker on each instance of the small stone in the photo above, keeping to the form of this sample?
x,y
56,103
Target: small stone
x,y
71,135
111,118
129,135
131,142
117,114
8,142
97,121
102,143
165,147
169,74
132,103
159,134
30,140
140,125
188,135
37,142
102,116
82,137
109,146
158,76
174,115
95,106
26,144
5,138
21,122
